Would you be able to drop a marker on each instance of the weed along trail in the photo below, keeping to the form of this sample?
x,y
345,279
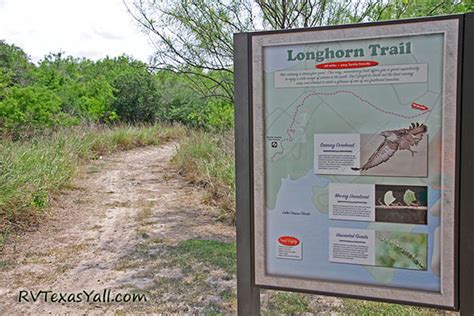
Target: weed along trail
x,y
130,228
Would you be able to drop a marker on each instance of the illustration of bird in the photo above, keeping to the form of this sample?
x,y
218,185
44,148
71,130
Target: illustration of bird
x,y
395,140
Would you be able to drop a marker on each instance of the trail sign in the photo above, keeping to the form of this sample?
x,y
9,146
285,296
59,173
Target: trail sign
x,y
353,172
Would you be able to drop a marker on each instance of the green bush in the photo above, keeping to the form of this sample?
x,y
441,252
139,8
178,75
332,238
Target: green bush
x,y
84,92
26,107
179,102
136,97
220,115
215,115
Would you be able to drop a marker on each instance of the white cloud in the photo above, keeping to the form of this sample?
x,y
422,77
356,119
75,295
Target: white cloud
x,y
108,35
82,28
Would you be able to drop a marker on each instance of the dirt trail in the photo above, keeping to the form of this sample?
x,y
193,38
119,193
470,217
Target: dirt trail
x,y
117,229
130,225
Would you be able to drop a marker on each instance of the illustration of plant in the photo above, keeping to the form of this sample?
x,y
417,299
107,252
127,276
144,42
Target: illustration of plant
x,y
388,198
402,250
401,204
409,199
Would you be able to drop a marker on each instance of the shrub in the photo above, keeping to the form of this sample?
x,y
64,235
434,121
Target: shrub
x,y
136,97
29,107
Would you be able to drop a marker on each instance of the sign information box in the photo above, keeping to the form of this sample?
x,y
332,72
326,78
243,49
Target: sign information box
x,y
354,164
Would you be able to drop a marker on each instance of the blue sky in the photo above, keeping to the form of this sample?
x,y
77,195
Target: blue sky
x,y
81,28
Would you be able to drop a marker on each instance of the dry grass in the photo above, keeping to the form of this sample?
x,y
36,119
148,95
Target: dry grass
x,y
35,170
207,160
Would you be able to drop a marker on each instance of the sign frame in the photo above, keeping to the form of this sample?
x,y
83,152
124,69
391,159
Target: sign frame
x,y
463,287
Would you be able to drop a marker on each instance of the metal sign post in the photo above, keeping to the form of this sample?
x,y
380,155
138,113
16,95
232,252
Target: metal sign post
x,y
354,162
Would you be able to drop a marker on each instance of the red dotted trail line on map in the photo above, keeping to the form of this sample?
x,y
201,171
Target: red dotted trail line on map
x,y
291,130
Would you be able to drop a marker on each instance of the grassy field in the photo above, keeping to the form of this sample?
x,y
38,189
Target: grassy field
x,y
34,170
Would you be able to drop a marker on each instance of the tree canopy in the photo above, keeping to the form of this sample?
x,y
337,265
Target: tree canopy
x,y
194,37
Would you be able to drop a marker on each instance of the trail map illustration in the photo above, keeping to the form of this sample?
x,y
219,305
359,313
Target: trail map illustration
x,y
352,160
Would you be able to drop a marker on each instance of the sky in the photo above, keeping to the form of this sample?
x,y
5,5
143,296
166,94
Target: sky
x,y
81,28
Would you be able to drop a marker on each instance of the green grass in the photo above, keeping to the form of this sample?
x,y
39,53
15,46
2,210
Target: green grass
x,y
367,308
288,303
211,252
207,159
34,170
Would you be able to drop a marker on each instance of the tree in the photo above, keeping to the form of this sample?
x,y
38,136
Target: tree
x,y
289,14
84,92
136,97
194,37
411,9
14,65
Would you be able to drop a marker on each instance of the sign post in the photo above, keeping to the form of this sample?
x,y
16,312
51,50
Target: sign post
x,y
354,162
248,295
466,199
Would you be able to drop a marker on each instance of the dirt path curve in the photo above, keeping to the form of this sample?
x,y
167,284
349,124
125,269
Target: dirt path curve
x,y
121,228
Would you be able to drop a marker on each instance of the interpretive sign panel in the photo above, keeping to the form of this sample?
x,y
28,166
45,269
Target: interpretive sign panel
x,y
354,169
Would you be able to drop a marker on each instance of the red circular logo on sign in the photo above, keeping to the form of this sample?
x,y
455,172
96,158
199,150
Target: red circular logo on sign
x,y
289,241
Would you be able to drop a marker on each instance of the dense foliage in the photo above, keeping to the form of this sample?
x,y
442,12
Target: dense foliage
x,y
64,91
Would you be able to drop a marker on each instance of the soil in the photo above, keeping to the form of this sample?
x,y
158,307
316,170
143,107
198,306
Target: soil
x,y
118,228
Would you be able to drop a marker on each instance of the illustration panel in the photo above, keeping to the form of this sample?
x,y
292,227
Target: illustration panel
x,y
400,153
353,181
401,204
402,250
